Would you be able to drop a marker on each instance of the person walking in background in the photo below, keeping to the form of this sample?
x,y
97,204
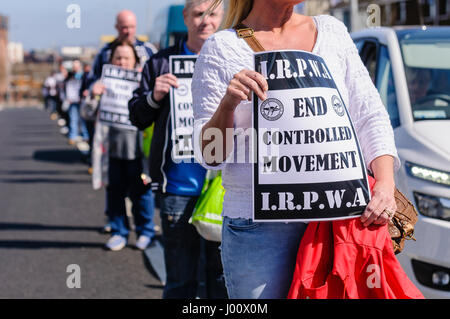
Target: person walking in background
x,y
61,115
50,93
72,86
125,168
126,23
178,184
84,80
90,123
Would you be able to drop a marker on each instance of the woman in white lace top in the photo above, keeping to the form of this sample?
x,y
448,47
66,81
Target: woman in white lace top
x,y
259,258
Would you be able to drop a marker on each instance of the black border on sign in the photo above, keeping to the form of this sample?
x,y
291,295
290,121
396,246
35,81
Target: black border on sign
x,y
173,108
314,215
129,127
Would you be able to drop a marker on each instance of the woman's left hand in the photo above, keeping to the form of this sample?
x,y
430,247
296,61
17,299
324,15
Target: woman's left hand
x,y
382,206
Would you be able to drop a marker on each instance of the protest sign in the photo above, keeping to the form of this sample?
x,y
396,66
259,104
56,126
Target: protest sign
x,y
309,165
181,112
120,84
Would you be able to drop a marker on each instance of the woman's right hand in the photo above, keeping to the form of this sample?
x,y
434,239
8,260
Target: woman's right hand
x,y
240,88
163,84
98,88
243,85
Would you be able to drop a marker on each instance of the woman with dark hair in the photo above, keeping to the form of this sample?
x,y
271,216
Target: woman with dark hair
x,y
125,169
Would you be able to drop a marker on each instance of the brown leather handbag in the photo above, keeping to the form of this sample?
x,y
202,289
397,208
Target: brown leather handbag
x,y
401,225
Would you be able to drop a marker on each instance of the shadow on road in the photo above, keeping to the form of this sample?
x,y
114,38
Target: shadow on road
x,y
60,156
38,244
155,286
45,133
41,181
15,158
40,227
42,172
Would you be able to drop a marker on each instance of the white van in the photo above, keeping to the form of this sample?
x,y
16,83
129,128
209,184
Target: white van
x,y
411,69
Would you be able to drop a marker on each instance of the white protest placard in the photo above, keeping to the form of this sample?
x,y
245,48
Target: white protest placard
x,y
309,164
120,84
181,111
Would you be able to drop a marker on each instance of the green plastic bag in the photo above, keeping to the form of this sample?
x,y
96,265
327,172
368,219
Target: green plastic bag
x,y
207,215
147,136
147,140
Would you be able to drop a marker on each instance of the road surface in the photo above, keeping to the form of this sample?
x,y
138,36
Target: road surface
x,y
50,219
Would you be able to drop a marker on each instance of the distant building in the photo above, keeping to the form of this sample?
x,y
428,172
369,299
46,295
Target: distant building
x,y
15,52
71,52
391,12
4,65
316,7
108,38
40,56
84,54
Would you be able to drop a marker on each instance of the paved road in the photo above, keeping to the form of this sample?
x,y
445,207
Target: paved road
x,y
50,218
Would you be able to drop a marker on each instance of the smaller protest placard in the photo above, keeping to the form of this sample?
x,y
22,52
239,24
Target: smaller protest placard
x,y
120,84
181,112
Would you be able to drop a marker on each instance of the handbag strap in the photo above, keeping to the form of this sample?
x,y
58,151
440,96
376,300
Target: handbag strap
x,y
248,34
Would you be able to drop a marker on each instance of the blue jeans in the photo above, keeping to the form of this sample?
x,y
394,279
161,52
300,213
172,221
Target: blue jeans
x,y
259,258
76,123
125,180
182,251
50,104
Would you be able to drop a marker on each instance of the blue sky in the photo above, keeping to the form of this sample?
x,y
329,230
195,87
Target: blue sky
x,y
42,23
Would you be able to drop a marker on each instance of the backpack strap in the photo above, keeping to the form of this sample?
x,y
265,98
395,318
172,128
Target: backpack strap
x,y
247,34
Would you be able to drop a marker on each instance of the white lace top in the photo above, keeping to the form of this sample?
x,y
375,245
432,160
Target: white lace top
x,y
224,54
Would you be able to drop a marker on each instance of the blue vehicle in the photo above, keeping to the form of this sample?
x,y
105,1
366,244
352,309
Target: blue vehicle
x,y
176,29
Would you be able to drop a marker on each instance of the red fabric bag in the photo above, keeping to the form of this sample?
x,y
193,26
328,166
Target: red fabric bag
x,y
345,260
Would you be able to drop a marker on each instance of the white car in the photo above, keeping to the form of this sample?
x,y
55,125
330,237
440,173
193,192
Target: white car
x,y
410,66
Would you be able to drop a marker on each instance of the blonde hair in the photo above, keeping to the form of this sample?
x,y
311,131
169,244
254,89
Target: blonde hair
x,y
192,3
237,11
